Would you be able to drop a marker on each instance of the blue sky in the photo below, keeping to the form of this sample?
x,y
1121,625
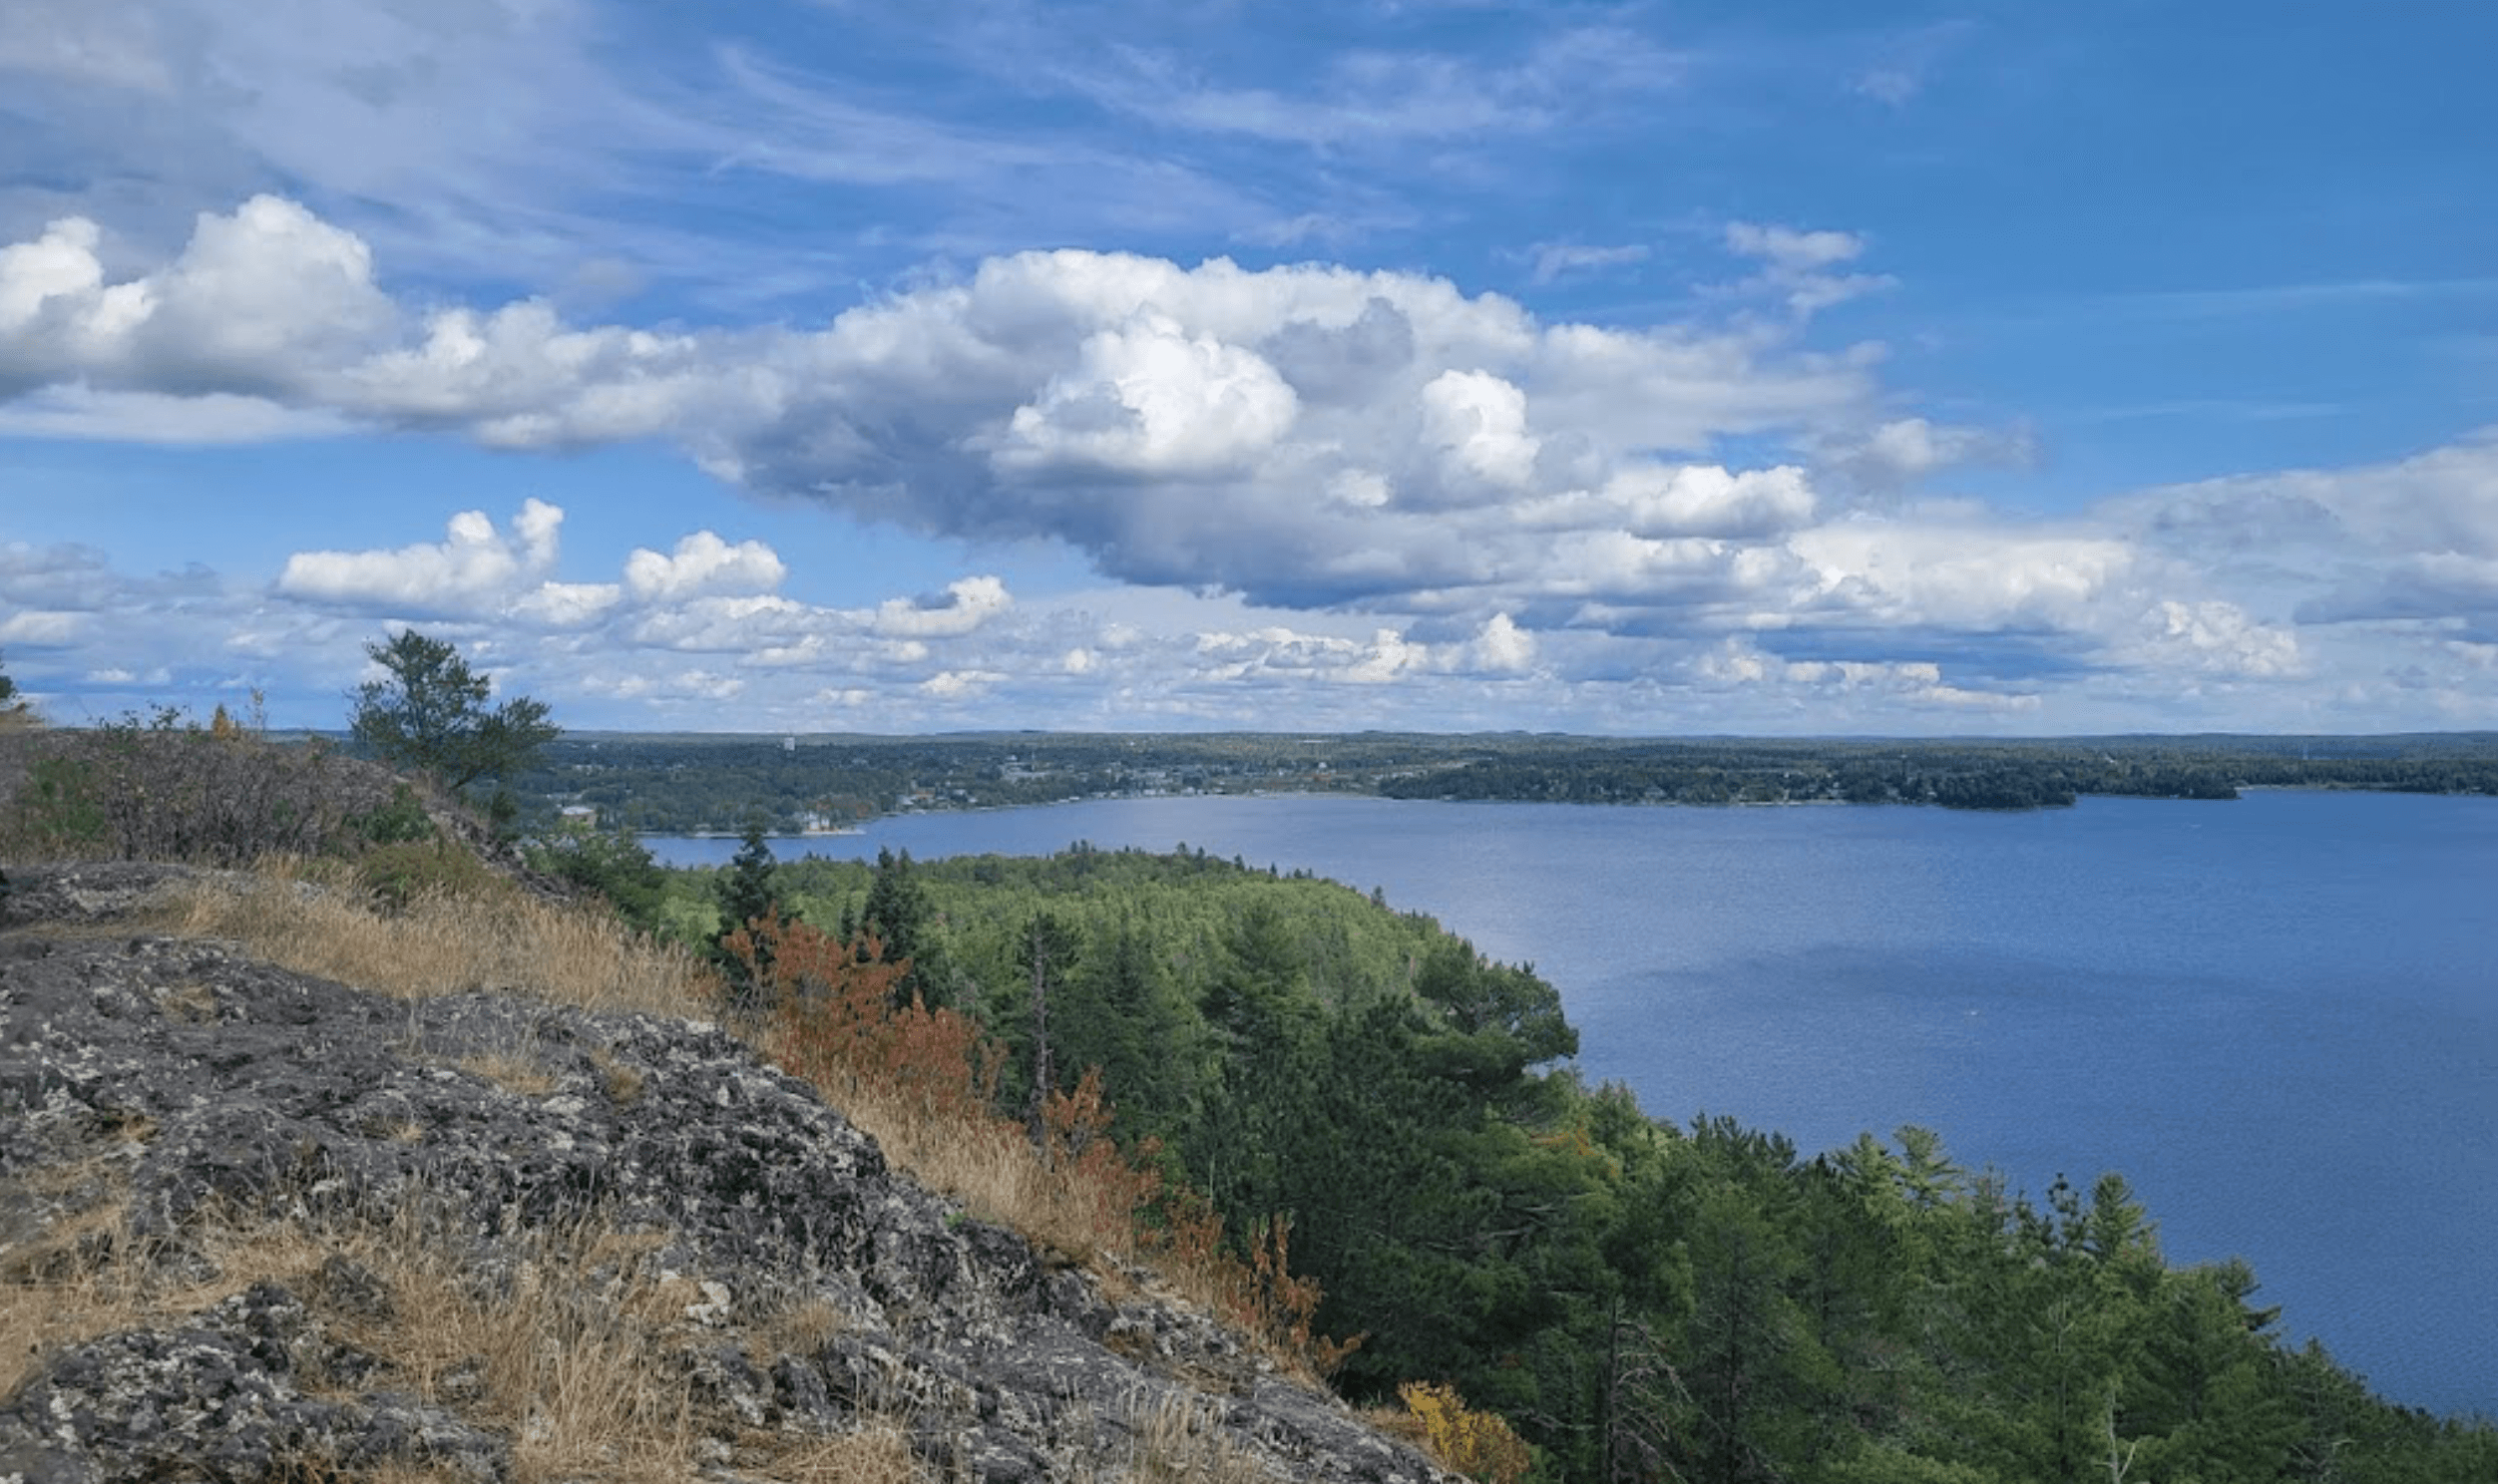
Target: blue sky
x,y
1628,368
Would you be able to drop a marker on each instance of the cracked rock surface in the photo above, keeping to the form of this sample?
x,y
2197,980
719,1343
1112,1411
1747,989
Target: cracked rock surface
x,y
170,1084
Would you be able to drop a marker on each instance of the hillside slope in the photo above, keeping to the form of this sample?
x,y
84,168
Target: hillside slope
x,y
260,1225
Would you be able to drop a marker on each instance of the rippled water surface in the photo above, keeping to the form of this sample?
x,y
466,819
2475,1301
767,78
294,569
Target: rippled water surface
x,y
2277,1017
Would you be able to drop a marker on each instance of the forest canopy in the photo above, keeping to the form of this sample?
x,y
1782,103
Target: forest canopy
x,y
1638,1298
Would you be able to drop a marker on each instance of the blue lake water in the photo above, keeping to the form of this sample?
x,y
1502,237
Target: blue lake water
x,y
2276,1018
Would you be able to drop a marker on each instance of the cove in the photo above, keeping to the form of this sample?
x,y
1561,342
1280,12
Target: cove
x,y
2277,1017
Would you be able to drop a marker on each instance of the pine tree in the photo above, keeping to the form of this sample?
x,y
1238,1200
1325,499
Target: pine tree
x,y
1046,951
897,906
746,893
432,714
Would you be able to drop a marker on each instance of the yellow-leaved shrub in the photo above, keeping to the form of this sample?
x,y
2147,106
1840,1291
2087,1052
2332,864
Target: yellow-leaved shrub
x,y
1479,1444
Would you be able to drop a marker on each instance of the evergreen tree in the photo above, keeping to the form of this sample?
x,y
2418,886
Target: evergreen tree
x,y
1119,1012
746,893
897,906
897,912
1047,951
1259,1012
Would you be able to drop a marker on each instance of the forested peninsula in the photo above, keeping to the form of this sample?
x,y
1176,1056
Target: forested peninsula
x,y
1635,1298
699,783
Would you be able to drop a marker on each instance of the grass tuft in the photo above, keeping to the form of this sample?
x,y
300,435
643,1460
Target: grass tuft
x,y
1180,1441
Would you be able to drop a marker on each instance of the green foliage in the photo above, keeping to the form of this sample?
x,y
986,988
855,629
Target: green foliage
x,y
1638,1301
748,890
746,893
165,788
896,907
398,822
612,863
431,713
60,810
398,875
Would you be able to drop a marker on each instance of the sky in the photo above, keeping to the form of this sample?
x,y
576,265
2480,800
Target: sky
x,y
1825,368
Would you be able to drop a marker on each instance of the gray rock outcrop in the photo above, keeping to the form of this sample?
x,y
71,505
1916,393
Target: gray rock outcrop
x,y
156,1091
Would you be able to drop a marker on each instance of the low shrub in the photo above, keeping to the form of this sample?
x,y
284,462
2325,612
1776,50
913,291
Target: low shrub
x,y
400,875
612,863
1479,1444
165,788
402,821
56,814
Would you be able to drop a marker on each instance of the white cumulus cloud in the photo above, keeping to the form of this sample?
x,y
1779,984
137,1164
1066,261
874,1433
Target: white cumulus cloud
x,y
1502,647
266,300
475,568
1148,398
966,605
703,565
1480,421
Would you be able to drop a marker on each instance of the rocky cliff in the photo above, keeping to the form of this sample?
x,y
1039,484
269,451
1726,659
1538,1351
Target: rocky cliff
x,y
256,1224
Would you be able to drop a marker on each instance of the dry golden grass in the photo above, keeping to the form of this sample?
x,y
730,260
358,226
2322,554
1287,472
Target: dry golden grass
x,y
986,1165
1181,1441
621,1084
800,1329
308,917
57,1292
57,1288
569,1359
515,1071
87,1276
879,1453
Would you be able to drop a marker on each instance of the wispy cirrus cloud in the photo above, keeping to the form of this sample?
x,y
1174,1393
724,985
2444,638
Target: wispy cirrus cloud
x,y
1804,269
1371,98
1552,261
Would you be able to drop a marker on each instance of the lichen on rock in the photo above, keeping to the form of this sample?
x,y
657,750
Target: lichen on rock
x,y
180,1122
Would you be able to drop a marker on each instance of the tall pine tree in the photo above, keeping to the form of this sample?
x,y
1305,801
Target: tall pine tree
x,y
746,893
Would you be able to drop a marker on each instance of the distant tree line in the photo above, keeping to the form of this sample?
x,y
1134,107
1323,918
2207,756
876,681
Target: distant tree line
x,y
692,784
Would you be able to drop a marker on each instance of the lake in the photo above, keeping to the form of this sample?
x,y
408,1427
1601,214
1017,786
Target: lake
x,y
2276,1018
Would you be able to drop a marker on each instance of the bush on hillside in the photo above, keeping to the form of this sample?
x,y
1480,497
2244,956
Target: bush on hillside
x,y
166,787
612,863
401,874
